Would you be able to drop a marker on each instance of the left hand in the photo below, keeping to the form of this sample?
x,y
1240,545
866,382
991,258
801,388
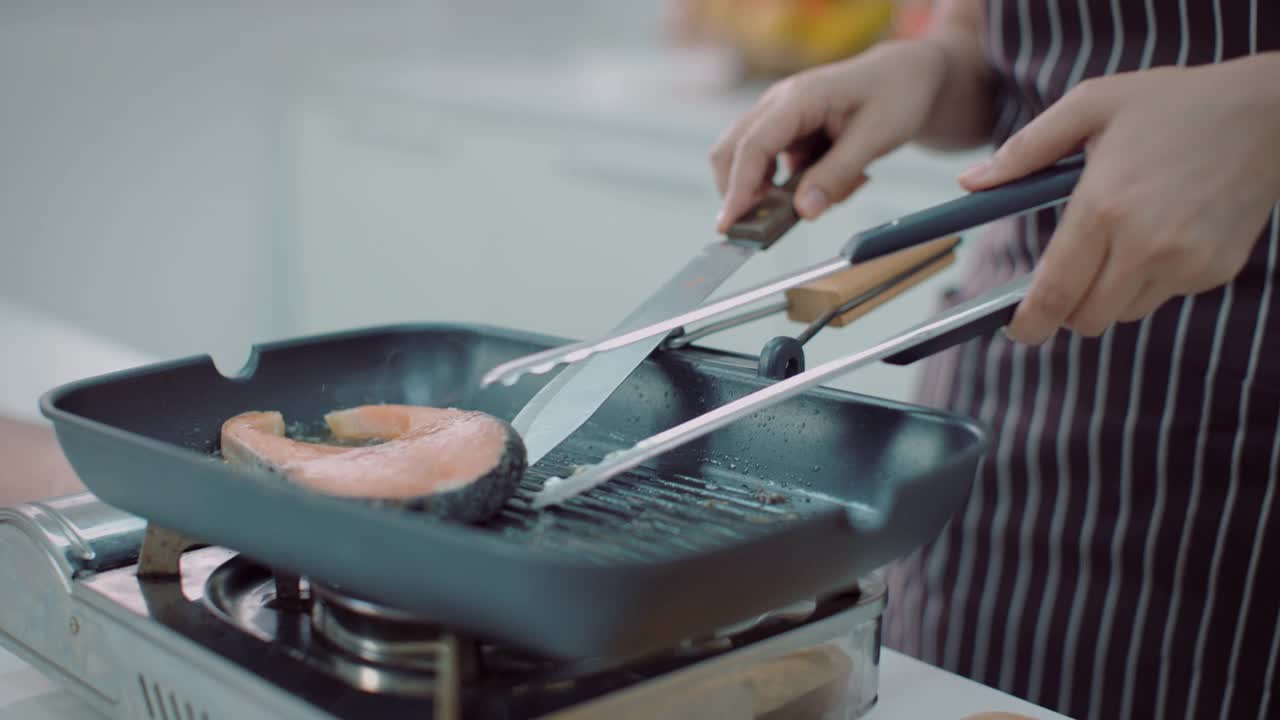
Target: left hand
x,y
1182,171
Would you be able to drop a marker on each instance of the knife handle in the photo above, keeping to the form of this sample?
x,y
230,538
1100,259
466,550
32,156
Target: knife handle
x,y
878,281
769,219
1047,187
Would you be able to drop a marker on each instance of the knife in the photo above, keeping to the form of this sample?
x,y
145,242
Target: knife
x,y
573,396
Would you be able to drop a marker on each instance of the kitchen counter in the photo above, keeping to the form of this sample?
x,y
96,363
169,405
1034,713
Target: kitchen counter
x,y
42,352
908,689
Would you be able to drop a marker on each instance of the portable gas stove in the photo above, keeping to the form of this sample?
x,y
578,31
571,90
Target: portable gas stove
x,y
141,625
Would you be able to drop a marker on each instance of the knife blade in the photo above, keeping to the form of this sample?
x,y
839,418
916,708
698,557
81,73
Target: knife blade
x,y
573,396
570,399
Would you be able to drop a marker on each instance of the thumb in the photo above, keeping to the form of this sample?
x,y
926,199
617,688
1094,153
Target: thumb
x,y
1056,133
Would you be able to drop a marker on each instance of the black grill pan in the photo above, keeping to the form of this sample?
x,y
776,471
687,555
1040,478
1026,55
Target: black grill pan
x,y
795,502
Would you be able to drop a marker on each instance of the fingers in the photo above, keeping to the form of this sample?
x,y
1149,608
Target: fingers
x,y
839,172
1076,283
811,203
1114,291
803,152
1074,257
1147,301
827,178
799,117
721,156
756,151
1058,132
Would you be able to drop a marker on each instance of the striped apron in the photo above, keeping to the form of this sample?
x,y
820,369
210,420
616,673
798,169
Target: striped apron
x,y
1115,558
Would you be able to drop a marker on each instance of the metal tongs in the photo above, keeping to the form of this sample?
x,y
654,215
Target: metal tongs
x,y
976,317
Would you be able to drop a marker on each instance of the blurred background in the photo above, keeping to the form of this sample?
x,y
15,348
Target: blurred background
x,y
184,178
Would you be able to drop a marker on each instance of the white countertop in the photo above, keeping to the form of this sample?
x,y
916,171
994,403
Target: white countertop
x,y
45,352
42,352
908,689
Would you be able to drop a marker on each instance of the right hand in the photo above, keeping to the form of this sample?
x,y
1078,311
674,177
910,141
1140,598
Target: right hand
x,y
834,120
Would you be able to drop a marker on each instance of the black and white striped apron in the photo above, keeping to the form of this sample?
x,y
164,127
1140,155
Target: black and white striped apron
x,y
1118,557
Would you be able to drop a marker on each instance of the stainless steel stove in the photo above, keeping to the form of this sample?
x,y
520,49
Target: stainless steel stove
x,y
141,625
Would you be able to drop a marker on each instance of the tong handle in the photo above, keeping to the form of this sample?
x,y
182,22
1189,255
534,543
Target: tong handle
x,y
770,218
1044,188
977,327
815,300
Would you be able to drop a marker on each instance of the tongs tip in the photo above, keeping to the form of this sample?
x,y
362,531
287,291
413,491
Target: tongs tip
x,y
540,363
553,492
509,374
556,490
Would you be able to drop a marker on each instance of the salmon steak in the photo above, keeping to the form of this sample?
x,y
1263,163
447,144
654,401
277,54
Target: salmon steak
x,y
458,464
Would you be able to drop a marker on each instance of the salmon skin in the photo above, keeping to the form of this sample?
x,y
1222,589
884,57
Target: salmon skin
x,y
458,464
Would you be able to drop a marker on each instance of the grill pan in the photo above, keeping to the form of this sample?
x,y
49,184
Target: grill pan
x,y
794,503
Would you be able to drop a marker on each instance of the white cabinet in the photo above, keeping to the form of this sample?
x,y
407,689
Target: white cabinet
x,y
509,196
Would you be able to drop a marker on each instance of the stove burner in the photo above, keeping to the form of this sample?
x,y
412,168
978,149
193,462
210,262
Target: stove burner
x,y
383,650
347,638
384,635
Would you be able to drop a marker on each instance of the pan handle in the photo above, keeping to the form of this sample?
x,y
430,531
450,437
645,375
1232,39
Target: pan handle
x,y
1045,188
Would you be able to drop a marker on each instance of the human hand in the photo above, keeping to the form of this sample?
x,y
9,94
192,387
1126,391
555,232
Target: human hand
x,y
837,118
1181,176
